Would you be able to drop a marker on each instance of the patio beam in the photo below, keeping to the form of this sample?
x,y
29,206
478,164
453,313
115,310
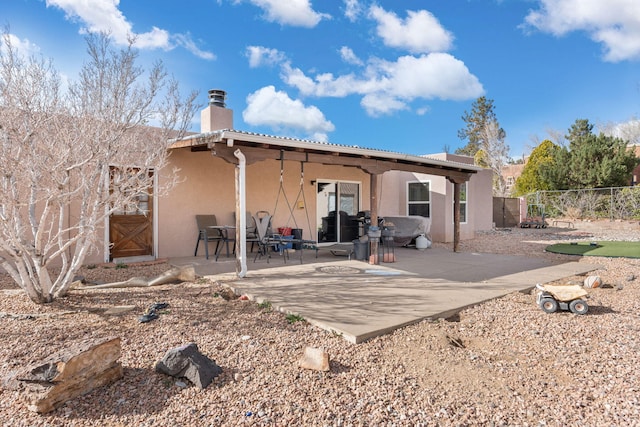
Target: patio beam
x,y
369,165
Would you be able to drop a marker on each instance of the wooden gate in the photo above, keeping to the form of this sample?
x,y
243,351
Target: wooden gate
x,y
506,212
131,232
130,235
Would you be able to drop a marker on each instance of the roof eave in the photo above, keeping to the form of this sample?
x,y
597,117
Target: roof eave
x,y
227,134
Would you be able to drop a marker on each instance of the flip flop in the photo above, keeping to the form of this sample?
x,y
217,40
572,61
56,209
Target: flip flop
x,y
148,317
158,306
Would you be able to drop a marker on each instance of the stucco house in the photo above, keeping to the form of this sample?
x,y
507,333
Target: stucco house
x,y
475,204
303,184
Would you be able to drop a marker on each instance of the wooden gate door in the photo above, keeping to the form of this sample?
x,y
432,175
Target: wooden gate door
x,y
131,233
506,211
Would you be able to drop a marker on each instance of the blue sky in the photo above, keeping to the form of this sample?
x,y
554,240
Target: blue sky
x,y
391,74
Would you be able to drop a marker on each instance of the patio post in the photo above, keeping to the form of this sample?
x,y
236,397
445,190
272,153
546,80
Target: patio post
x,y
456,216
373,241
457,186
373,198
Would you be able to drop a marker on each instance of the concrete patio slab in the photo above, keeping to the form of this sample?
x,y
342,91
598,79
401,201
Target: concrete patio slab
x,y
361,301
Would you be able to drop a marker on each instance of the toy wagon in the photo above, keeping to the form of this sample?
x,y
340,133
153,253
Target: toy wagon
x,y
564,297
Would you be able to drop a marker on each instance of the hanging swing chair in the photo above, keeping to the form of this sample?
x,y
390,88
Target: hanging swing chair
x,y
287,237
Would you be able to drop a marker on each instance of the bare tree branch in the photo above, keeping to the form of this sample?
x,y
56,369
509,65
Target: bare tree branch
x,y
71,158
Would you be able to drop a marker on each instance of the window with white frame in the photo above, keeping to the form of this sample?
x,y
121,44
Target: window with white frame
x,y
463,203
419,198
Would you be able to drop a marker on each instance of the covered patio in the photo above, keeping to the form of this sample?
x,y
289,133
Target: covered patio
x,y
242,149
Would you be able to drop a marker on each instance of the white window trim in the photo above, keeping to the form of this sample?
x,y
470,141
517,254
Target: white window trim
x,y
462,202
427,181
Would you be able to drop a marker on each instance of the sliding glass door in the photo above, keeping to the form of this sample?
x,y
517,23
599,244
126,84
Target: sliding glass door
x,y
338,204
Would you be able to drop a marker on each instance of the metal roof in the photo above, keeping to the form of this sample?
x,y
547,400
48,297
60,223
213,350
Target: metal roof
x,y
201,139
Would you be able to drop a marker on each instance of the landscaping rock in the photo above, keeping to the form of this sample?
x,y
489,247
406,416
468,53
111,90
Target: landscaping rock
x,y
76,370
187,362
592,282
314,358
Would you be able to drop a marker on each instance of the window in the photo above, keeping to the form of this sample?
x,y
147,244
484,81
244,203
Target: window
x,y
463,202
129,190
419,199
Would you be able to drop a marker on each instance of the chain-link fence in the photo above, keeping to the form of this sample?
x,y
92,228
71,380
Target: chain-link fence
x,y
592,203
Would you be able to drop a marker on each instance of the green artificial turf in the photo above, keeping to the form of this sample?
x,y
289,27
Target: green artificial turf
x,y
606,249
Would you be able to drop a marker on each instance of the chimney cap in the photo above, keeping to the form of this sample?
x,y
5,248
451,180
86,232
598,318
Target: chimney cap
x,y
217,97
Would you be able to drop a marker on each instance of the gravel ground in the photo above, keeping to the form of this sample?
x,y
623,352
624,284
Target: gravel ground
x,y
503,362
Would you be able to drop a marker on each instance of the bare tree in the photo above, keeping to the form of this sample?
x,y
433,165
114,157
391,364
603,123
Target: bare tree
x,y
629,131
493,154
72,155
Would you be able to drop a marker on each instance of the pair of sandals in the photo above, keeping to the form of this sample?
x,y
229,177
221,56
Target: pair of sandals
x,y
151,313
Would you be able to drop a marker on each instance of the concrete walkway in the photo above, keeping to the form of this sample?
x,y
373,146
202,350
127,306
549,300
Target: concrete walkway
x,y
361,301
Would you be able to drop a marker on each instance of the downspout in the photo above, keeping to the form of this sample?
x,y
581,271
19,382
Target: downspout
x,y
241,219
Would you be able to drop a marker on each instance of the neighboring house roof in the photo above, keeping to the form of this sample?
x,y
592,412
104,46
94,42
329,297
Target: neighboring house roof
x,y
373,160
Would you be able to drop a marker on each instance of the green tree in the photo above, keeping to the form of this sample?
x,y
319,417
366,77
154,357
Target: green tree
x,y
486,141
482,114
590,160
532,178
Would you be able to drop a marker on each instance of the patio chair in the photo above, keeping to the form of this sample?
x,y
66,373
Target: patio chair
x,y
252,234
227,235
262,220
207,234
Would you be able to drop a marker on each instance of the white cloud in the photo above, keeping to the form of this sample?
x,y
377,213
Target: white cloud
x,y
352,9
423,110
298,13
260,55
389,86
381,103
421,32
628,131
614,23
186,42
349,56
23,46
104,16
268,107
296,78
437,75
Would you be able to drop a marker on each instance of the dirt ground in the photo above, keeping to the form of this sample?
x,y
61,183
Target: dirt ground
x,y
503,362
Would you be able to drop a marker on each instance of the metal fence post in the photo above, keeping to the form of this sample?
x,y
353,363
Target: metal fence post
x,y
611,205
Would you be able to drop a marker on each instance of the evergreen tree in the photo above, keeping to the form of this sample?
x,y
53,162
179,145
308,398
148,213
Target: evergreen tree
x,y
532,178
482,114
590,160
486,141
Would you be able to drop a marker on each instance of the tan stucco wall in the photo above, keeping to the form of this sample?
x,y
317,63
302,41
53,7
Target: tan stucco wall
x,y
393,201
208,187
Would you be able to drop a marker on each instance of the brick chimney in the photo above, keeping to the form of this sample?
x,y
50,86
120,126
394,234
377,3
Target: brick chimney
x,y
216,116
